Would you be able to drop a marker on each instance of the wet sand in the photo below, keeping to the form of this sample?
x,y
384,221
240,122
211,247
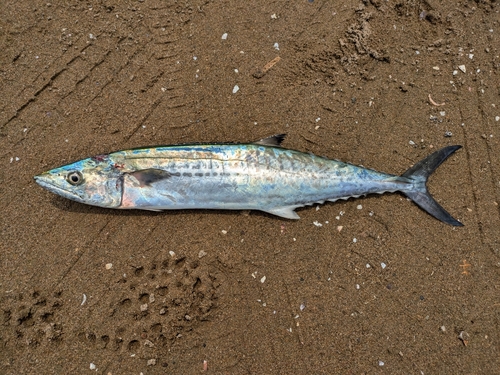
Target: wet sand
x,y
366,286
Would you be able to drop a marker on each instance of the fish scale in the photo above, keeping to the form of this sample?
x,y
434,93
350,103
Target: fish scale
x,y
257,176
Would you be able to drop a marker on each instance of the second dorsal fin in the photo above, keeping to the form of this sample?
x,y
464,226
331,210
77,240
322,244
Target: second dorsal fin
x,y
274,140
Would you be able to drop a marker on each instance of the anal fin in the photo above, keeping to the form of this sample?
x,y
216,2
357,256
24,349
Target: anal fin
x,y
287,212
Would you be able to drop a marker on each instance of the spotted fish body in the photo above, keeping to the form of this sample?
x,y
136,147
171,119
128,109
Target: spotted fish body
x,y
257,176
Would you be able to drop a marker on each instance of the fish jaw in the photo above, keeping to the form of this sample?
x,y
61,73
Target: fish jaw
x,y
100,185
51,183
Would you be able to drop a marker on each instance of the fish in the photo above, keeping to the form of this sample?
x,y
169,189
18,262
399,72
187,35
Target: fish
x,y
261,175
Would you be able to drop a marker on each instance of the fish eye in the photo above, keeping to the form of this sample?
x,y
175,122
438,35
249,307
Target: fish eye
x,y
74,178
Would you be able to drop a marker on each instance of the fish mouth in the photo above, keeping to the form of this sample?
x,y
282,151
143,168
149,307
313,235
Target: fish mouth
x,y
45,182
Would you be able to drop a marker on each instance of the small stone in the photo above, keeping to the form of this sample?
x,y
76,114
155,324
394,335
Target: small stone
x,y
359,207
263,279
224,36
144,307
462,68
172,254
187,317
201,254
236,88
383,265
93,367
148,343
163,311
497,118
442,329
151,298
152,362
109,266
448,134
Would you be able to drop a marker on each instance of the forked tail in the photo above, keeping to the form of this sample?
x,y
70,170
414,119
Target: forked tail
x,y
419,194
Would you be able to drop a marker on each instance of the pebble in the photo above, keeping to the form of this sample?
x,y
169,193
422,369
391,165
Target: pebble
x,y
93,367
359,207
317,223
109,266
151,362
144,307
263,279
462,68
497,118
383,265
276,46
201,254
236,88
224,36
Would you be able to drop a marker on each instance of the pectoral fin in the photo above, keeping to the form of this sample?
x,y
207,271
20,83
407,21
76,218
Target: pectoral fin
x,y
146,177
287,212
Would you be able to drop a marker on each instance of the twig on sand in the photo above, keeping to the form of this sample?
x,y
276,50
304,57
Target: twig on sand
x,y
260,73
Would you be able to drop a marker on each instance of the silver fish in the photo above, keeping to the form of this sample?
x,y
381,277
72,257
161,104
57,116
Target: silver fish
x,y
256,176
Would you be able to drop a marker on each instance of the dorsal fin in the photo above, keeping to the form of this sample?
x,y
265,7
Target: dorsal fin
x,y
274,140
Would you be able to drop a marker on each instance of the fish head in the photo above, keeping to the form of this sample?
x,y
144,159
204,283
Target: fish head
x,y
95,181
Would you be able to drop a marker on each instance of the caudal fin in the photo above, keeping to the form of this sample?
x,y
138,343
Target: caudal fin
x,y
419,194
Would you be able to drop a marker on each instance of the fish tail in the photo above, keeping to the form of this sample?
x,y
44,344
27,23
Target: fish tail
x,y
418,193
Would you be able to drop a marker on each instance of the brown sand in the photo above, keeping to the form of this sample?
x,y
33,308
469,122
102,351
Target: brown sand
x,y
160,293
